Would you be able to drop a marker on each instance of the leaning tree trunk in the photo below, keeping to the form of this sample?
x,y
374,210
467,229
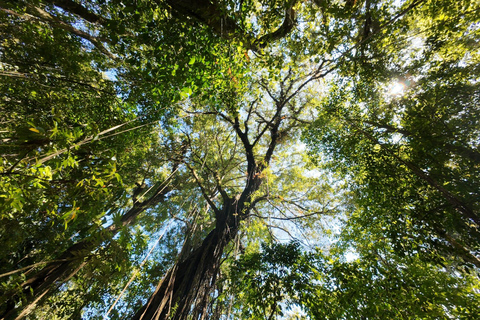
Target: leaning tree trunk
x,y
56,272
185,289
39,285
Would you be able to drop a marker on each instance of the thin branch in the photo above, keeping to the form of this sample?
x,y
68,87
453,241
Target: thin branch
x,y
260,135
137,270
204,192
264,86
47,17
251,164
220,189
92,139
245,123
33,266
462,207
278,227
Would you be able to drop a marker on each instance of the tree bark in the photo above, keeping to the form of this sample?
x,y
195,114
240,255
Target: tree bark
x,y
186,287
214,16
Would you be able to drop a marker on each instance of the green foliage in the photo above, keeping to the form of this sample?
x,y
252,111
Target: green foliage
x,y
266,278
412,158
121,120
376,285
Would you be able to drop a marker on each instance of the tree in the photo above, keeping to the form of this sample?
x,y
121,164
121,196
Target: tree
x,y
412,157
375,285
187,113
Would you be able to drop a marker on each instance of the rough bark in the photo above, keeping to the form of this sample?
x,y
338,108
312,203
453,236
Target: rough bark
x,y
186,287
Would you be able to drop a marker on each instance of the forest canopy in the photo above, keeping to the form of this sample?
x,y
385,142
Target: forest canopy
x,y
224,159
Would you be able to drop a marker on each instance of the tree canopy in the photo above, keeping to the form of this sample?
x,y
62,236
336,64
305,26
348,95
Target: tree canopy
x,y
250,159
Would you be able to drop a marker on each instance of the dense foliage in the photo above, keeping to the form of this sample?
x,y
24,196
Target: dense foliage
x,y
239,159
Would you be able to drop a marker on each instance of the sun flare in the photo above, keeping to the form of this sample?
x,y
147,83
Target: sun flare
x,y
396,89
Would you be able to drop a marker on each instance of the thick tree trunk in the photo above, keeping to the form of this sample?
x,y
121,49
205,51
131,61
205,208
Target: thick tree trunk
x,y
185,289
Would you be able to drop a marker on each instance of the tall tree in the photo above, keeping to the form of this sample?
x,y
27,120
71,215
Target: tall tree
x,y
187,286
104,100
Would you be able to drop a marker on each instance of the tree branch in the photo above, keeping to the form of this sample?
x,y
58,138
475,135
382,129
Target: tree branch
x,y
79,10
202,188
462,207
286,27
214,16
54,21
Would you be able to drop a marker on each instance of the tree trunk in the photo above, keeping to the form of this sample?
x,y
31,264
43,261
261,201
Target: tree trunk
x,y
67,265
185,289
39,285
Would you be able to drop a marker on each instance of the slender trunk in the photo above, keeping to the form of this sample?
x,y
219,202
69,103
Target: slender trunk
x,y
67,265
461,250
